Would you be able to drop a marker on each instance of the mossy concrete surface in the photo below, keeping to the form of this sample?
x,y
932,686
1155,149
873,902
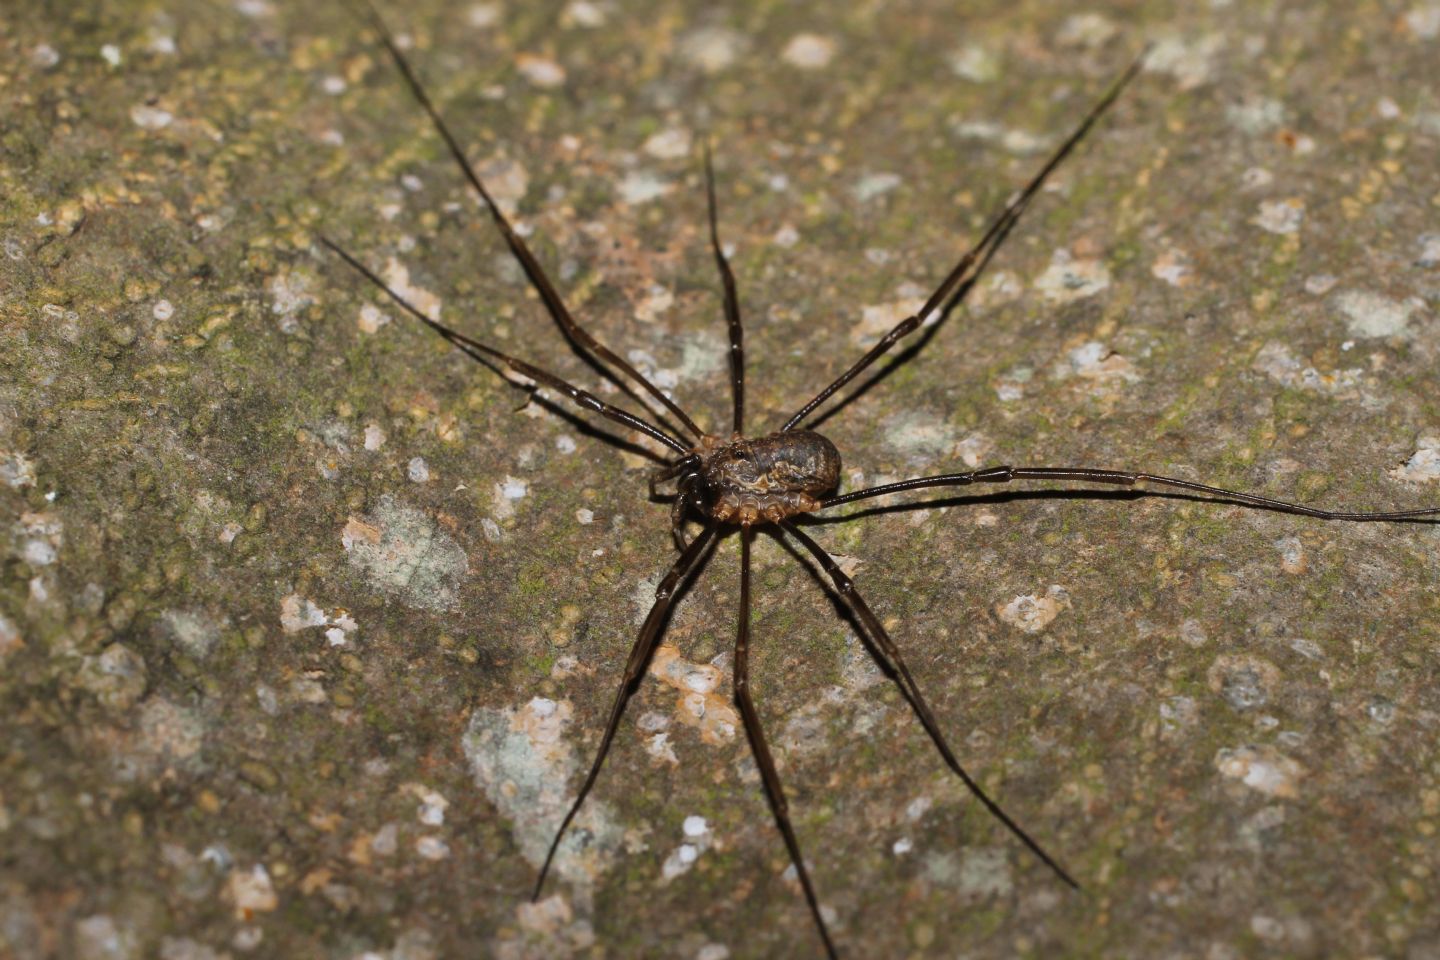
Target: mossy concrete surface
x,y
309,625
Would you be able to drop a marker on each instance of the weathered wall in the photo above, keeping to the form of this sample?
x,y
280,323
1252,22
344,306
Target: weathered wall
x,y
309,625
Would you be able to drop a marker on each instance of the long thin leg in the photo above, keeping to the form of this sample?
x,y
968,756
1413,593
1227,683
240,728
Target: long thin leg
x,y
634,667
774,792
999,228
732,303
679,508
482,353
1123,478
889,656
517,245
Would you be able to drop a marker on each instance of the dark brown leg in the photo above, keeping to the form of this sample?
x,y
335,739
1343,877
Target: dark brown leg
x,y
889,657
774,792
634,667
997,231
678,509
732,303
517,245
482,353
1123,478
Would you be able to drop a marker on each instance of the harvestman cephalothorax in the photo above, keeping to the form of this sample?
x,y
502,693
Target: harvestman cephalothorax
x,y
737,482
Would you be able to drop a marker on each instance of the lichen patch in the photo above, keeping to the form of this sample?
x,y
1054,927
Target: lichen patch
x,y
1368,314
1423,465
401,551
520,759
1275,361
1261,768
1032,614
698,705
1070,278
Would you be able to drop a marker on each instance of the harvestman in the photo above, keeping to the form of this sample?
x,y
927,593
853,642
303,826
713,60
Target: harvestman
x,y
745,482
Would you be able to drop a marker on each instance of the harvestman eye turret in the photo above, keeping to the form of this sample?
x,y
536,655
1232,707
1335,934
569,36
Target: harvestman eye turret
x,y
737,482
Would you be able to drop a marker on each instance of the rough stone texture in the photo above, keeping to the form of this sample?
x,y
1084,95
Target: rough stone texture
x,y
299,606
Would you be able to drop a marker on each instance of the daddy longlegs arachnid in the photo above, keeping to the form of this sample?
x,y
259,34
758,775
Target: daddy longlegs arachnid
x,y
741,483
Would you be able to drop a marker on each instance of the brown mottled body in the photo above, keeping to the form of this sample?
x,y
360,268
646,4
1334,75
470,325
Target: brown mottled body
x,y
767,479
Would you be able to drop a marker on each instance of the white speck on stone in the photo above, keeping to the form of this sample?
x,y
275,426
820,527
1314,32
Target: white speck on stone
x,y
1095,361
397,277
1068,279
1173,267
902,846
252,892
1261,768
917,808
110,53
1423,465
1292,555
38,553
16,470
151,118
809,51
687,853
668,144
565,444
254,8
540,71
44,56
974,62
418,470
9,638
1030,613
514,489
195,633
1320,284
659,747
695,826
1255,114
873,185
1369,315
1189,58
289,293
432,848
642,186
163,310
1280,216
712,49
1429,251
386,840
1256,177
374,437
787,236
1387,109
492,530
335,637
372,318
582,13
1193,634
585,517
162,43
778,183
1423,20
1277,362
713,951
99,937
333,84
657,300
483,15
1086,30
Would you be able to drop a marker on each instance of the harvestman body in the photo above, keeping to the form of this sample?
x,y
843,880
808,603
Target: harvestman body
x,y
767,481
